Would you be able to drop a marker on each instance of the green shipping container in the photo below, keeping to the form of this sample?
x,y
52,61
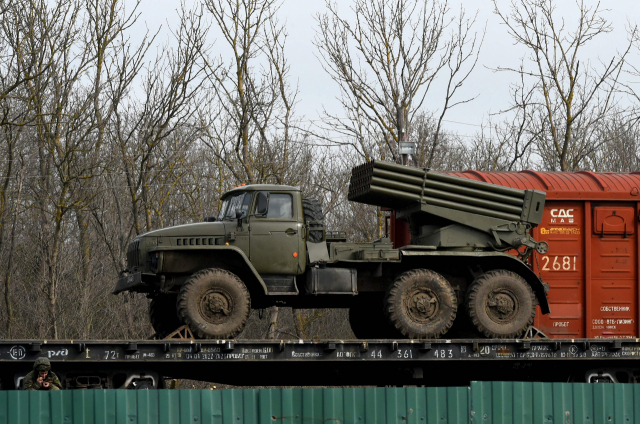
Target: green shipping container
x,y
250,406
483,402
554,403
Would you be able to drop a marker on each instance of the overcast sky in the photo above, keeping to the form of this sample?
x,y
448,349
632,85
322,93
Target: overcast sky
x,y
317,90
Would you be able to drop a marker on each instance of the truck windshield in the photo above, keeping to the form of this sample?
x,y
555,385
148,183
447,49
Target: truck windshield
x,y
223,208
231,204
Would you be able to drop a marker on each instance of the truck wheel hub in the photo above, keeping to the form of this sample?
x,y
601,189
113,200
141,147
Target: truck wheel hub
x,y
502,305
215,306
423,305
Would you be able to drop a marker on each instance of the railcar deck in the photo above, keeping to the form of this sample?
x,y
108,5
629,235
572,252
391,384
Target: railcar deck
x,y
146,363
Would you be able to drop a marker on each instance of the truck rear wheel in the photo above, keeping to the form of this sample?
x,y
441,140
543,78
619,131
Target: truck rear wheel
x,y
163,315
421,304
501,304
214,303
313,212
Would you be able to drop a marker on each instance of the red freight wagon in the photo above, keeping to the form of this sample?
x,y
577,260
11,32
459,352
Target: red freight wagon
x,y
591,224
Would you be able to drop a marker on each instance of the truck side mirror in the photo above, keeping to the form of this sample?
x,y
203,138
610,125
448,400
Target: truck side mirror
x,y
263,203
239,216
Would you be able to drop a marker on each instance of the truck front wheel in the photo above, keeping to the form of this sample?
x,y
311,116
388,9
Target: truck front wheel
x,y
501,304
421,304
214,303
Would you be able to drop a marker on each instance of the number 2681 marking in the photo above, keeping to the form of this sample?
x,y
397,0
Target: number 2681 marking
x,y
559,263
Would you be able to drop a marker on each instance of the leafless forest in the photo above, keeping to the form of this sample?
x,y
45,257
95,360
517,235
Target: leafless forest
x,y
104,136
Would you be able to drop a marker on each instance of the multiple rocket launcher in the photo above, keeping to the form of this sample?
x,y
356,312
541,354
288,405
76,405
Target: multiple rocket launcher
x,y
396,187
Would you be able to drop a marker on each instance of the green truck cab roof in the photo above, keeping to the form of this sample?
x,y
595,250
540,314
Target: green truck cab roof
x,y
261,187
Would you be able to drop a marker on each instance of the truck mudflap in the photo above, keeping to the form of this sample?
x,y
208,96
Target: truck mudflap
x,y
493,260
132,282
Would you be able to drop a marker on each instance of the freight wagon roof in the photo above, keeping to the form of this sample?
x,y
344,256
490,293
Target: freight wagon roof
x,y
581,185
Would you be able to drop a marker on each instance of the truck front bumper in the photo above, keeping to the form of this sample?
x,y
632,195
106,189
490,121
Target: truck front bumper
x,y
137,282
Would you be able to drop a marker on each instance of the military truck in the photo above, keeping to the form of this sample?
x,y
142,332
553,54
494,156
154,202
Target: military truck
x,y
470,248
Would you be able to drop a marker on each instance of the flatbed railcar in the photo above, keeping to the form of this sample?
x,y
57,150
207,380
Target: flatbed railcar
x,y
145,364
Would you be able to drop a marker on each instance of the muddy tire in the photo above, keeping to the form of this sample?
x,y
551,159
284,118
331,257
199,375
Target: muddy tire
x,y
163,315
501,304
421,304
214,303
368,320
313,212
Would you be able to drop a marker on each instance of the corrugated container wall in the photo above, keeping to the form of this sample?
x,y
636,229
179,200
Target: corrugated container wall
x,y
483,402
591,224
411,405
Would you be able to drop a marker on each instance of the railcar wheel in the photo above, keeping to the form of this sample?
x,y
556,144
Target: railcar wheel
x,y
214,303
163,315
421,304
368,320
501,304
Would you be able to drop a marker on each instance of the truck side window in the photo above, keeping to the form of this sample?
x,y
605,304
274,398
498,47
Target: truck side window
x,y
280,206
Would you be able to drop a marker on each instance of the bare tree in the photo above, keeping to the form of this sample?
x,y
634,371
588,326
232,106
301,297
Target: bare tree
x,y
8,302
60,110
172,92
11,136
630,88
69,105
385,62
116,62
251,127
25,54
508,145
425,129
572,94
620,147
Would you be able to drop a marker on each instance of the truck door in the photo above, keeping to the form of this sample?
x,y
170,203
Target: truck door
x,y
275,236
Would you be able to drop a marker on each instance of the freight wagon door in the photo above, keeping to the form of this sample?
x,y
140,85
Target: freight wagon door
x,y
563,269
612,292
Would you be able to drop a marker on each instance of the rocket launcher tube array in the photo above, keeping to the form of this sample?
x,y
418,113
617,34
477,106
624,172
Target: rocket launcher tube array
x,y
448,187
393,195
432,175
438,194
397,186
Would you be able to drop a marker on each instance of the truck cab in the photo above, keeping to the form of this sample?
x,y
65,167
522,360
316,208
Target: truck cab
x,y
267,223
259,228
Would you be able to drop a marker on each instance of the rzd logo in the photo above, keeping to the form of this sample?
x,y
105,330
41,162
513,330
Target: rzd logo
x,y
563,215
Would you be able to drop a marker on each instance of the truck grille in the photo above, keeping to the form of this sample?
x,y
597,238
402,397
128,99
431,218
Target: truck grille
x,y
133,254
197,241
